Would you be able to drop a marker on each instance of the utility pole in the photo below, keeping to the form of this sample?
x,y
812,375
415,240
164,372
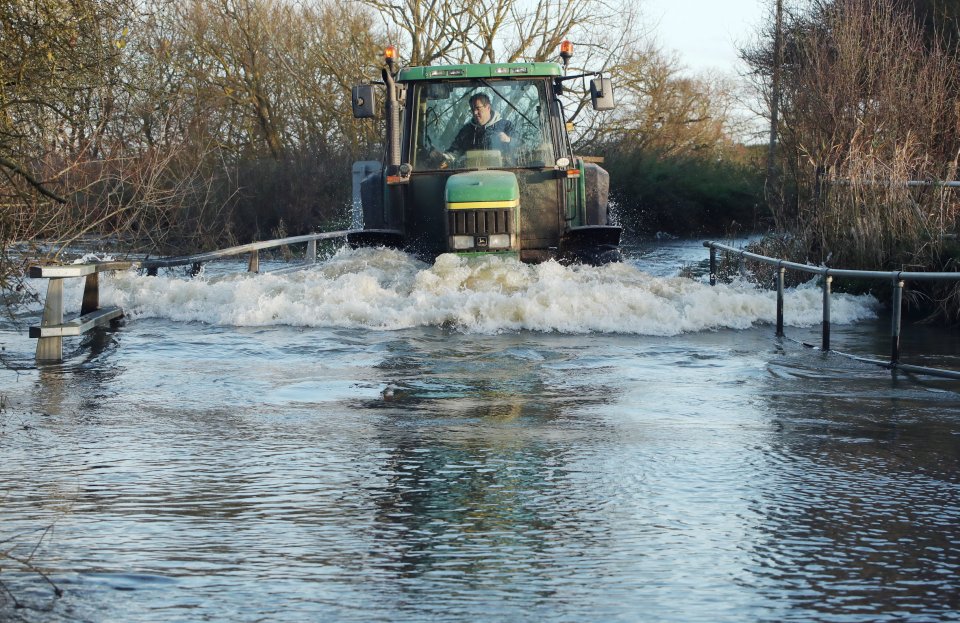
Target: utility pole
x,y
771,184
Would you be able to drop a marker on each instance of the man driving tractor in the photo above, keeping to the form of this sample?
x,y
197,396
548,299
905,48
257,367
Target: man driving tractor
x,y
485,130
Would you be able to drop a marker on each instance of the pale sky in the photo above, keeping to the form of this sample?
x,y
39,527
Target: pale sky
x,y
705,34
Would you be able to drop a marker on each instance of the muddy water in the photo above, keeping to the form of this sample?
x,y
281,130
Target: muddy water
x,y
376,439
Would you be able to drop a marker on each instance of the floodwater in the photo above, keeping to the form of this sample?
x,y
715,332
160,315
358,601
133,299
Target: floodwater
x,y
375,439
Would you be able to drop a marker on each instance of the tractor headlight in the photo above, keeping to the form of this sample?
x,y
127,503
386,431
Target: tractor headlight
x,y
499,241
461,242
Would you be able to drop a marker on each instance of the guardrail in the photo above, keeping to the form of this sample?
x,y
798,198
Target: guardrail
x,y
897,279
53,328
253,249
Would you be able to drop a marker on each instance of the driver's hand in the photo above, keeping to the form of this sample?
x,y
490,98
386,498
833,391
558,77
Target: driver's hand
x,y
442,158
504,138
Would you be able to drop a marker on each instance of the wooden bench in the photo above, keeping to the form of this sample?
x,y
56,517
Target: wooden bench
x,y
53,327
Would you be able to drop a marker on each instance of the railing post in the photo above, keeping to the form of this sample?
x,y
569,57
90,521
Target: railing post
x,y
895,323
827,280
311,252
780,279
713,266
51,348
253,266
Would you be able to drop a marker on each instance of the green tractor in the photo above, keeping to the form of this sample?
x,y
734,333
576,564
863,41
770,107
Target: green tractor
x,y
478,162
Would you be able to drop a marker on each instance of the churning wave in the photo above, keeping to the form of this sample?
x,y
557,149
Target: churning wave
x,y
389,290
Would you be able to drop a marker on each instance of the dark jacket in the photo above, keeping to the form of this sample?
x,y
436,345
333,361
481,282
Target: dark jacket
x,y
476,136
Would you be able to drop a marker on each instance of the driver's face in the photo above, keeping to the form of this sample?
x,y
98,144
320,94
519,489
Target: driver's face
x,y
481,112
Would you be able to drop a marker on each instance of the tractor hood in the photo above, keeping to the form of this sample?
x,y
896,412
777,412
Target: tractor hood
x,y
482,189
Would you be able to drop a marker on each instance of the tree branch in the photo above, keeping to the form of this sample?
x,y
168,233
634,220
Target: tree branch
x,y
37,184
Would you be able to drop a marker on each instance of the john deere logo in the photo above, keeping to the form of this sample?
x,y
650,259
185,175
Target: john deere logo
x,y
481,241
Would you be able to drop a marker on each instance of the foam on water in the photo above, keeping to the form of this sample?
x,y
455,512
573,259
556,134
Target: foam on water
x,y
383,289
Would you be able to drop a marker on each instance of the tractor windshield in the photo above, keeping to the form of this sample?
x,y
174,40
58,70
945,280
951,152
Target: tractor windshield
x,y
480,124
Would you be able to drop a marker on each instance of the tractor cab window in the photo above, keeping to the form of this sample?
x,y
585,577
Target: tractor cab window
x,y
481,124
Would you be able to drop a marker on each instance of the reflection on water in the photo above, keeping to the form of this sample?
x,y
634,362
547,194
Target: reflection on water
x,y
875,498
213,472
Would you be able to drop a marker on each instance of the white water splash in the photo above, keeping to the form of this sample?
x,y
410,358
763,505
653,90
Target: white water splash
x,y
382,289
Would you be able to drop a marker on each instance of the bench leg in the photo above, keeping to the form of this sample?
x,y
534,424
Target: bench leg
x,y
51,348
91,294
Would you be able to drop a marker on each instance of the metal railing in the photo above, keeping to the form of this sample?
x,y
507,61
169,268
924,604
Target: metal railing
x,y
253,249
53,328
896,278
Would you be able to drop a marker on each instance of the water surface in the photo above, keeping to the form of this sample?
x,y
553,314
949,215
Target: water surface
x,y
375,439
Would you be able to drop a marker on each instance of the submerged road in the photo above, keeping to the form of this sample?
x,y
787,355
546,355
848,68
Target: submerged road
x,y
377,440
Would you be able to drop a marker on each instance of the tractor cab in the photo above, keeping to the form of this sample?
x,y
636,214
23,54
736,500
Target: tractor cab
x,y
478,161
482,123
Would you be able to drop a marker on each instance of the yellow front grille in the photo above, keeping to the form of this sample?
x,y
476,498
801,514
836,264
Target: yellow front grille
x,y
483,205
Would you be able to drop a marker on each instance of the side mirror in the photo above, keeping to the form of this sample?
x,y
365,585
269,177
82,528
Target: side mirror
x,y
364,101
601,94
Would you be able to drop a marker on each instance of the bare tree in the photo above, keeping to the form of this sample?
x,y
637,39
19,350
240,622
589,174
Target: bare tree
x,y
432,30
487,31
56,63
867,104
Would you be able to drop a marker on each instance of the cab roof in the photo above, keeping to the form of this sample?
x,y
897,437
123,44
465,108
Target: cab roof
x,y
494,70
